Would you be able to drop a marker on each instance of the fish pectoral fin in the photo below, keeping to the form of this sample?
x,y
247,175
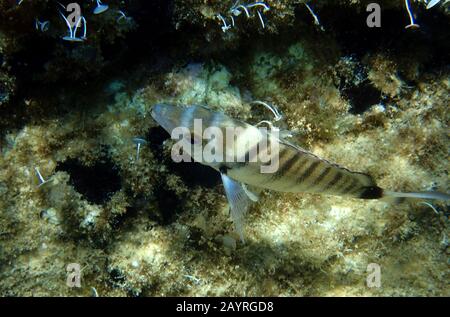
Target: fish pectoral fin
x,y
239,202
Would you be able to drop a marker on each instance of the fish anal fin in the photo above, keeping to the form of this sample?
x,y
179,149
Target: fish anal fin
x,y
252,194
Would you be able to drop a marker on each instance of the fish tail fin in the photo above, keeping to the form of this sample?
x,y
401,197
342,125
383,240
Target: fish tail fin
x,y
398,197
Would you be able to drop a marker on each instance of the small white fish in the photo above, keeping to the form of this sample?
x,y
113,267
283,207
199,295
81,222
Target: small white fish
x,y
298,170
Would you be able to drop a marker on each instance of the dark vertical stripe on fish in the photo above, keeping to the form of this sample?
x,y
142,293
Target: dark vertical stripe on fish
x,y
322,175
308,172
351,187
334,181
347,180
285,164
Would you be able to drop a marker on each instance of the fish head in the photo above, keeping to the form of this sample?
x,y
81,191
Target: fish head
x,y
175,119
167,116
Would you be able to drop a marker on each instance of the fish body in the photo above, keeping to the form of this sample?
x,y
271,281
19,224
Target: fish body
x,y
288,167
302,171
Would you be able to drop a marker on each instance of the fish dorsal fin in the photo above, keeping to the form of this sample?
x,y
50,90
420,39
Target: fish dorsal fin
x,y
364,178
239,201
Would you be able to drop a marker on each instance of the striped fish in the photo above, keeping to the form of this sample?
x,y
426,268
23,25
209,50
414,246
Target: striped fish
x,y
298,170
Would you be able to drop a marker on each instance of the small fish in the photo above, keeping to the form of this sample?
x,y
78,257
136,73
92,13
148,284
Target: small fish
x,y
298,170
